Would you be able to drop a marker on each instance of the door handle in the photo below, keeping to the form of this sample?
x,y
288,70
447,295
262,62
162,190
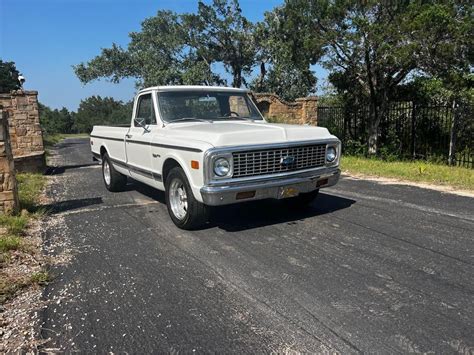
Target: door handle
x,y
128,136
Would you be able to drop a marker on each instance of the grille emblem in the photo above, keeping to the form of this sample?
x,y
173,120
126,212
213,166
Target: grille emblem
x,y
287,161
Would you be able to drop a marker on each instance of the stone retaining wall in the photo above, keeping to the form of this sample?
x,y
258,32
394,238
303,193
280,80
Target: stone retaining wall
x,y
301,111
26,136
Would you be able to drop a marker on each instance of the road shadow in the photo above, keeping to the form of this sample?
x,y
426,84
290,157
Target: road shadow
x,y
58,170
250,215
63,206
146,190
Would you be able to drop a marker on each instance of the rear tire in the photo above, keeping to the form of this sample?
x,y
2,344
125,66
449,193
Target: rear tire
x,y
113,180
302,200
185,211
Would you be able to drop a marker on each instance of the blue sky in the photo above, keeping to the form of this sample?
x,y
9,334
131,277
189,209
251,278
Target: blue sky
x,y
46,37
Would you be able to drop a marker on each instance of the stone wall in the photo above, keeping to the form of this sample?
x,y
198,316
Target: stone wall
x,y
9,203
26,136
301,111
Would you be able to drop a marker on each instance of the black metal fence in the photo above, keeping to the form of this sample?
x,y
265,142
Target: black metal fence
x,y
441,133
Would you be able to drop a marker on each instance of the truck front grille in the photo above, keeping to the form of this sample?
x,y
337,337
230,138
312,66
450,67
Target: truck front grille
x,y
278,160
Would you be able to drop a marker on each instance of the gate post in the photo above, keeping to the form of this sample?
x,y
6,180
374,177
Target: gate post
x,y
9,202
413,130
452,138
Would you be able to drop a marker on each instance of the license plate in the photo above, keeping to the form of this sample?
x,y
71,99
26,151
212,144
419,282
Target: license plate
x,y
286,192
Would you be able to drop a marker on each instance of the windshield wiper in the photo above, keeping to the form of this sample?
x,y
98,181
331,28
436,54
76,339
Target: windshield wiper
x,y
188,119
232,117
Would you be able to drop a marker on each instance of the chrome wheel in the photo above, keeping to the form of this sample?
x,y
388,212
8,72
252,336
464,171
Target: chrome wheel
x,y
106,170
178,198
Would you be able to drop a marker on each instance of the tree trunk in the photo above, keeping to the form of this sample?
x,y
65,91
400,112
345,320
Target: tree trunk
x,y
373,139
237,82
379,108
373,136
261,78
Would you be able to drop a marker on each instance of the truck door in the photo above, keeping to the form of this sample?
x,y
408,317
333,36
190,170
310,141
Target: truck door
x,y
138,138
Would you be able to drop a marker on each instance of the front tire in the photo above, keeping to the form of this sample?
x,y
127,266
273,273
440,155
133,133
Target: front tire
x,y
185,211
113,180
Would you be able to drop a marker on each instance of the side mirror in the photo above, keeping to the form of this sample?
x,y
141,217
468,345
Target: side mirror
x,y
141,122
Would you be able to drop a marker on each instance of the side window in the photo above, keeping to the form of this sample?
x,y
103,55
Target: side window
x,y
145,109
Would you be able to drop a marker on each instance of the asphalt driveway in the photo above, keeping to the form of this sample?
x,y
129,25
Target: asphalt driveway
x,y
368,268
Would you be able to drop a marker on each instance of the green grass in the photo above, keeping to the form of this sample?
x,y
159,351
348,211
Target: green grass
x,y
14,224
41,277
51,139
9,242
416,171
30,187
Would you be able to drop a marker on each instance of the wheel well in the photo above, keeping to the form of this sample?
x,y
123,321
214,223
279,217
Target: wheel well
x,y
102,151
169,164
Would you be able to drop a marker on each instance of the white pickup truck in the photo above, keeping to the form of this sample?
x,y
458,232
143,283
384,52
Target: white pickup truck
x,y
209,146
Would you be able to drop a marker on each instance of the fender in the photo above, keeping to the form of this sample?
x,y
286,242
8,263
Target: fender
x,y
194,176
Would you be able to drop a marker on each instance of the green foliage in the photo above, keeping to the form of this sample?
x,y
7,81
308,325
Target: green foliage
x,y
96,110
435,91
354,147
284,66
220,33
56,121
93,110
8,77
287,82
372,48
180,49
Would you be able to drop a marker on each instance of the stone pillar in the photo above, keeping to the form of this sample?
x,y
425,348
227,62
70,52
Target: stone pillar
x,y
309,110
9,203
26,136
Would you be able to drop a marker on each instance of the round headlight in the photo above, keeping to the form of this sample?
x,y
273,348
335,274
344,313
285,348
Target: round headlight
x,y
221,167
331,154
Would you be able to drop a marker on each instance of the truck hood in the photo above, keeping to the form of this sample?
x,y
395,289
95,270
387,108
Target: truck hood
x,y
221,134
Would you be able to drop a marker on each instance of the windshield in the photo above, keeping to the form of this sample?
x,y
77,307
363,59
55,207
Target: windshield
x,y
206,105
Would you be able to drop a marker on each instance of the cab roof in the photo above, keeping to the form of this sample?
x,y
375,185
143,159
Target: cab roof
x,y
193,88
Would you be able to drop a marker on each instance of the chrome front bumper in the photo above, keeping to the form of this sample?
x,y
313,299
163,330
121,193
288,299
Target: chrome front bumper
x,y
270,187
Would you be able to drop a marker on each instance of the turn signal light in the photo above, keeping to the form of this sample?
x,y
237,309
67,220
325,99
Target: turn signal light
x,y
194,164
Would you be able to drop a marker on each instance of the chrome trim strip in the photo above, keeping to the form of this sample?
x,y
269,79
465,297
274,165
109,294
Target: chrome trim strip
x,y
119,162
189,149
148,173
237,148
196,150
108,138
